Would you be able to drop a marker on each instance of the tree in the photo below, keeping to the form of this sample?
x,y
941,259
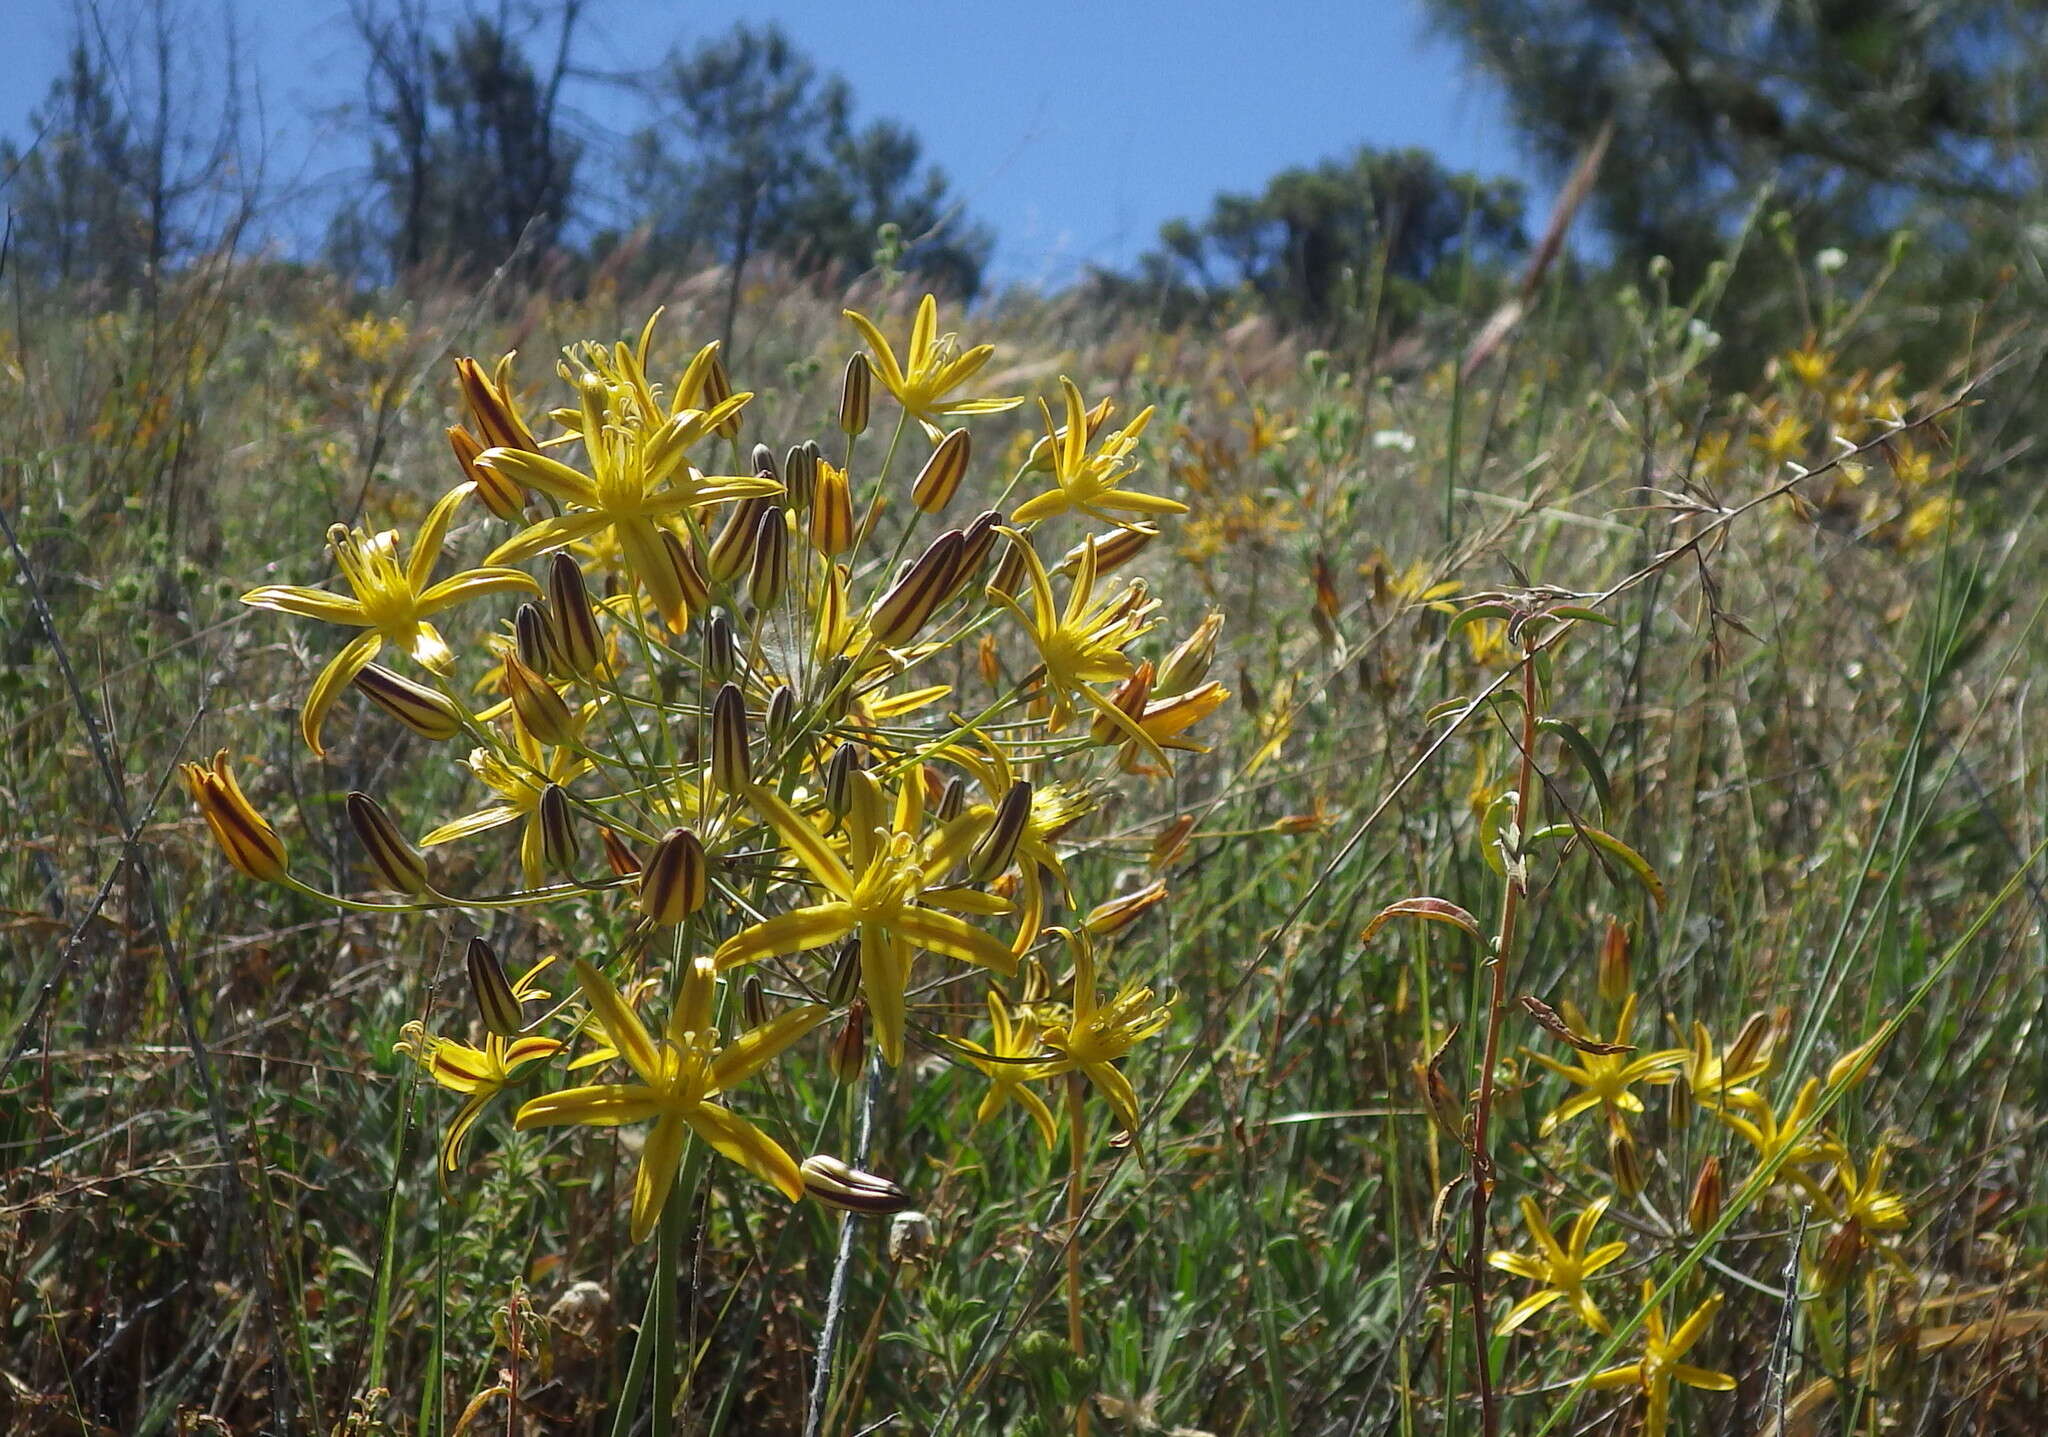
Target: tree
x,y
1862,112
1307,246
73,193
755,151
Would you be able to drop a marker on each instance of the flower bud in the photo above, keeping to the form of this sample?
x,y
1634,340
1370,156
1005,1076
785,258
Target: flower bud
x,y
833,1183
397,862
1120,913
733,549
780,714
838,779
1838,1256
427,712
1112,550
676,880
763,460
494,996
916,596
1188,663
1614,980
799,476
731,767
1753,1043
769,570
501,496
558,846
843,981
831,511
530,639
940,478
1624,1163
854,390
540,710
1703,1209
249,843
1679,1100
617,856
572,619
753,1003
1034,985
849,1051
952,800
1128,699
721,648
718,389
687,591
976,540
496,419
994,850
1012,567
1854,1066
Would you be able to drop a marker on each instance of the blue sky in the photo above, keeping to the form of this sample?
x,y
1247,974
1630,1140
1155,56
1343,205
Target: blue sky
x,y
1074,129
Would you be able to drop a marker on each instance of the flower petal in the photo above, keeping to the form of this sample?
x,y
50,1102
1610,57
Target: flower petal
x,y
794,932
659,1160
803,840
474,583
748,1146
600,1105
938,932
621,1025
339,673
308,604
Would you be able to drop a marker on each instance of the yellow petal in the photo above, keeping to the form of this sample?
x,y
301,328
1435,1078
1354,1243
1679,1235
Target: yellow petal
x,y
621,1024
339,673
600,1105
797,931
308,604
748,1146
659,1160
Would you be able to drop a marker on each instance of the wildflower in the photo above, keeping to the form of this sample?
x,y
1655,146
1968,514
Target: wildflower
x,y
519,787
1722,1080
1164,721
1083,643
1659,1366
250,843
679,1078
479,1074
932,369
1863,1198
1779,1139
1562,1268
1605,1080
888,890
836,1184
391,602
1009,1064
1095,1037
1087,483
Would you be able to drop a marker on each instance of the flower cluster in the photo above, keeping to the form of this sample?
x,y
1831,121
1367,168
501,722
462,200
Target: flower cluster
x,y
828,761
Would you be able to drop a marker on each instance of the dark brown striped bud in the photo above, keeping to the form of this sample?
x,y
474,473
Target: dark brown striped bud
x,y
718,389
540,710
1703,1209
838,776
844,980
1612,979
855,388
916,596
691,585
849,1051
427,712
501,496
753,1003
1120,913
496,420
733,548
530,639
721,648
495,999
731,767
1012,568
397,862
940,478
763,460
1129,699
780,714
994,850
617,856
976,541
677,878
1034,985
558,845
769,569
833,1183
1188,663
831,511
799,476
1624,1163
1756,1039
1112,550
577,642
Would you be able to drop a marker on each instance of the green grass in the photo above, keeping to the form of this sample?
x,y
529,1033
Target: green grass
x,y
220,1202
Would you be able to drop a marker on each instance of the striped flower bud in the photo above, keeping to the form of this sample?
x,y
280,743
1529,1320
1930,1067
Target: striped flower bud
x,y
494,996
617,856
1755,1041
1678,1104
1624,1163
763,460
249,843
1703,1209
501,496
831,511
731,767
940,478
1129,699
1120,913
799,476
753,1002
780,714
690,590
976,542
558,845
398,864
733,547
1612,978
496,420
1112,550
842,982
834,1184
849,1051
769,570
427,712
855,388
994,850
577,642
721,648
677,878
718,389
1034,985
530,639
952,800
1188,663
540,710
1012,568
838,779
916,596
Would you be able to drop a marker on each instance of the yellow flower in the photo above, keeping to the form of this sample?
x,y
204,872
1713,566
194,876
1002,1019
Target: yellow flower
x,y
392,601
1164,721
1659,1366
1562,1268
249,842
518,787
1091,483
1606,1080
1082,644
1772,1135
1722,1080
888,890
1008,1063
932,368
1863,1199
679,1077
480,1074
1095,1037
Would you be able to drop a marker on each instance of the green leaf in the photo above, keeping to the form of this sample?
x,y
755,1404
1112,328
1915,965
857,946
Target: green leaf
x,y
1600,838
1587,755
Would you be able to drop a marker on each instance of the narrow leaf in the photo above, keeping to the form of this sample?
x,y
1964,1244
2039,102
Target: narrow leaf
x,y
1632,860
1431,910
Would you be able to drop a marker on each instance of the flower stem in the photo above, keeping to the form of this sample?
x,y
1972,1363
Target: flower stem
x,y
1077,1126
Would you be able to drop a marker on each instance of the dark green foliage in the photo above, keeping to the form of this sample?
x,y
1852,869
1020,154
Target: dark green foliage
x,y
73,193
